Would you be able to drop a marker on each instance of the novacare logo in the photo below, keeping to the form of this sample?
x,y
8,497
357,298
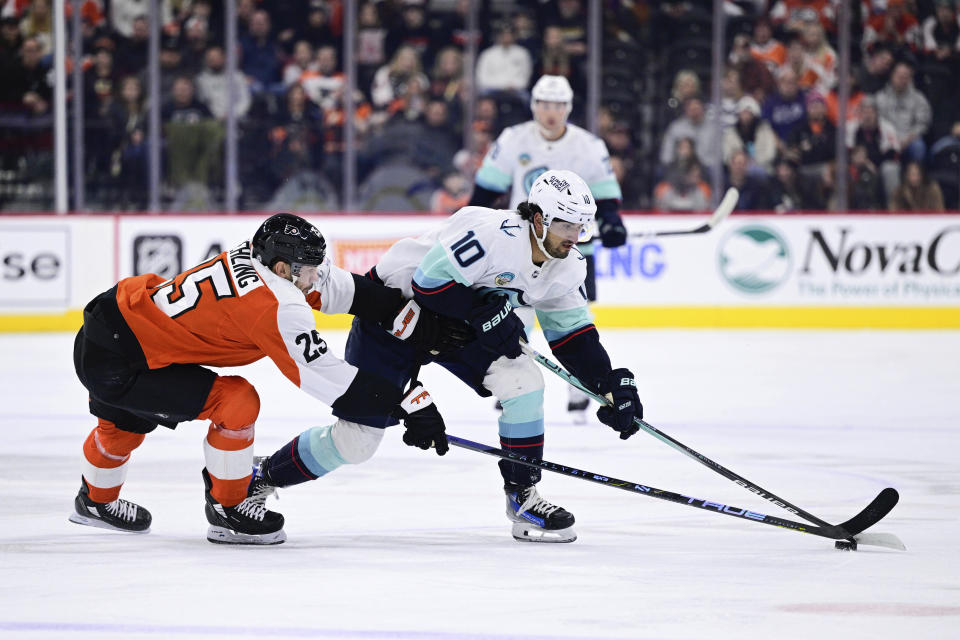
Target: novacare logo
x,y
754,259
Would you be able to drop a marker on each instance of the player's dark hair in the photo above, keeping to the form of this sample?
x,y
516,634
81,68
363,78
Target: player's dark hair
x,y
527,210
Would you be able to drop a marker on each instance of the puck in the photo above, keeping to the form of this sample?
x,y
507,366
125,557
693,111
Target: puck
x,y
845,545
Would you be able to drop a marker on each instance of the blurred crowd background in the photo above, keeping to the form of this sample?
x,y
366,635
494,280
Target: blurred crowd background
x,y
424,113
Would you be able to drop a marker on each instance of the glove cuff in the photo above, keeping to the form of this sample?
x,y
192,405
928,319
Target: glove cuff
x,y
405,322
416,399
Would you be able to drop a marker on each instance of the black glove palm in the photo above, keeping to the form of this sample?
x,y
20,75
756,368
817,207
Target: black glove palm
x,y
424,424
620,386
498,328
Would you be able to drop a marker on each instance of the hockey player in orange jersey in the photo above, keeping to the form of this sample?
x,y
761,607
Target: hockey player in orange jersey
x,y
142,344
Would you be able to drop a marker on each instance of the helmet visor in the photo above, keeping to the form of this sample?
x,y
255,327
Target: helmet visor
x,y
309,276
571,230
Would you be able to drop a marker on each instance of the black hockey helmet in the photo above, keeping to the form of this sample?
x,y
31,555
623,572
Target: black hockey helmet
x,y
290,238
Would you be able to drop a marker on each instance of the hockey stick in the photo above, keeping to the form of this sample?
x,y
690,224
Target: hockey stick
x,y
848,531
882,504
720,214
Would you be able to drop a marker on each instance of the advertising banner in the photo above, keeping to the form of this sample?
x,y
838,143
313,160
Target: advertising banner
x,y
34,265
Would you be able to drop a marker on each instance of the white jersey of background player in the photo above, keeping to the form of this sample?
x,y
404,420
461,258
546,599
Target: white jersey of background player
x,y
524,152
476,267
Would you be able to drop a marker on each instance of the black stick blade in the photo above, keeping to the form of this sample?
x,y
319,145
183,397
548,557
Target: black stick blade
x,y
885,501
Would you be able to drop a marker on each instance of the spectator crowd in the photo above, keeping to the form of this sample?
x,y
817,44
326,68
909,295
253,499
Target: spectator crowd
x,y
778,112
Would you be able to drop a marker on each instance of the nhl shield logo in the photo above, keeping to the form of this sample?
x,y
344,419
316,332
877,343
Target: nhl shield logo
x,y
504,278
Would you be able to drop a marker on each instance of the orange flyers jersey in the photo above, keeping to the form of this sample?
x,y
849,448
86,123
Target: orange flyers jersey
x,y
230,311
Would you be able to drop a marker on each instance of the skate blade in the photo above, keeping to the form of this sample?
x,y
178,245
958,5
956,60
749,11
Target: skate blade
x,y
100,524
222,535
526,532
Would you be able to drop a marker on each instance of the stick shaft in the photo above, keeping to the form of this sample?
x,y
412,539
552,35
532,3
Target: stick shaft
x,y
646,490
679,446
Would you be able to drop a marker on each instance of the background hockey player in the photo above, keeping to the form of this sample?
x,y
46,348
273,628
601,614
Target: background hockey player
x,y
142,343
523,152
478,266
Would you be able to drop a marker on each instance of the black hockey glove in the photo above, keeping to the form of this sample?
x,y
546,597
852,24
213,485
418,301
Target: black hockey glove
x,y
612,231
425,427
430,331
621,389
498,328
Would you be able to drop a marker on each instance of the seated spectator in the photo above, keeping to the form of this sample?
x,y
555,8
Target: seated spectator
x,y
694,125
756,78
866,186
686,85
171,65
895,25
28,86
318,27
785,109
505,66
301,61
371,44
754,189
941,31
553,58
820,62
876,68
751,135
526,32
446,79
296,135
813,142
878,137
792,15
453,194
37,24
132,51
132,160
907,109
10,43
392,81
437,143
411,31
684,191
322,83
196,39
792,191
765,48
917,192
570,17
260,58
193,136
213,86
796,58
853,101
730,94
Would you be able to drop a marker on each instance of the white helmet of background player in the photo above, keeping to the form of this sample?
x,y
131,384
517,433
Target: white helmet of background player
x,y
567,206
549,94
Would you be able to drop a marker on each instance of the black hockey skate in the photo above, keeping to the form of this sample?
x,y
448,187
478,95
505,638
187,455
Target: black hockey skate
x,y
577,403
249,522
119,515
536,520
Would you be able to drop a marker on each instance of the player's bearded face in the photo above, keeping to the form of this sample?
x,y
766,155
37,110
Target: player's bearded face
x,y
561,237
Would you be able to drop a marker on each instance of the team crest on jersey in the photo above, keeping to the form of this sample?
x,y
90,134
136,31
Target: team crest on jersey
x,y
531,176
524,158
504,278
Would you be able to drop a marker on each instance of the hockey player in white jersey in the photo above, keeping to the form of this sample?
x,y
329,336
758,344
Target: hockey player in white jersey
x,y
484,266
523,152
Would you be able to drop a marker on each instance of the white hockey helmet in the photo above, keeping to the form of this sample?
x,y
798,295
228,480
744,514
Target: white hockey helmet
x,y
563,195
552,89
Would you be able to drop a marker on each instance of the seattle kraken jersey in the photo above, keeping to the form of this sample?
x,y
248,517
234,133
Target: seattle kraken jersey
x,y
489,249
521,154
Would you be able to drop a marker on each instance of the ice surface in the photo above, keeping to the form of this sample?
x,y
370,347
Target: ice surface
x,y
410,545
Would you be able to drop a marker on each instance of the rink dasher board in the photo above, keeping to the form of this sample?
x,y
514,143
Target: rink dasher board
x,y
798,271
